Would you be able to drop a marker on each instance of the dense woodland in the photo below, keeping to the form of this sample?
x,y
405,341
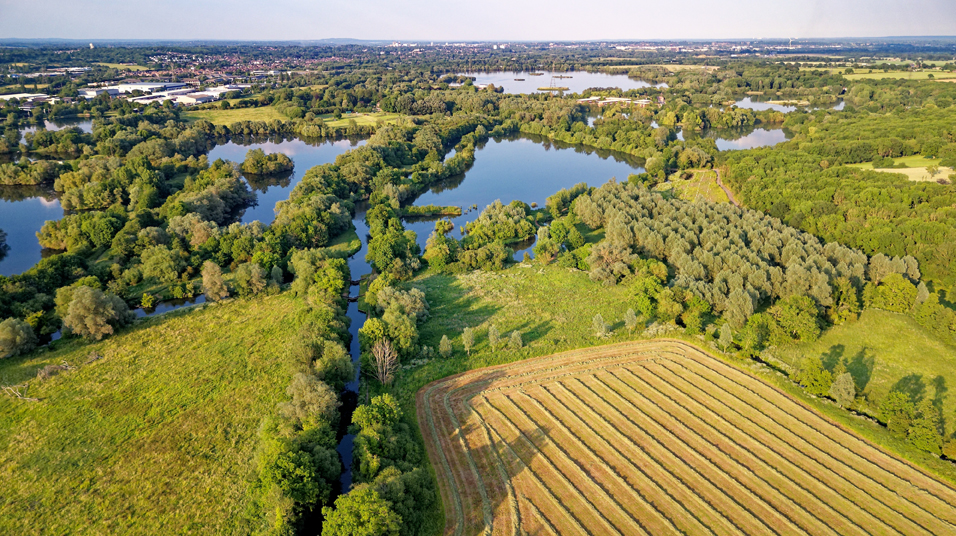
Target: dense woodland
x,y
151,218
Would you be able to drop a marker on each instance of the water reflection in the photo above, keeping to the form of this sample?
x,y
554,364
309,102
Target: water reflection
x,y
524,168
85,125
576,81
274,188
23,211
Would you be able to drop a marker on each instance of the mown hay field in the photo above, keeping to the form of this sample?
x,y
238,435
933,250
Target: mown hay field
x,y
658,437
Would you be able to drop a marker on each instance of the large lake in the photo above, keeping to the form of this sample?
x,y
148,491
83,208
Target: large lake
x,y
578,81
272,189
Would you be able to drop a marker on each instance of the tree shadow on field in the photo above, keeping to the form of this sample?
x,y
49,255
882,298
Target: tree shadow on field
x,y
833,356
861,368
912,386
451,308
532,332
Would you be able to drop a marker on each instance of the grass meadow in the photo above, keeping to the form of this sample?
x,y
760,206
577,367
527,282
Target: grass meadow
x,y
157,435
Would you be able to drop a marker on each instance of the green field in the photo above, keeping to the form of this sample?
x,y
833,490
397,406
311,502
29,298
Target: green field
x,y
122,67
269,113
900,75
915,169
889,350
158,436
360,119
702,186
228,117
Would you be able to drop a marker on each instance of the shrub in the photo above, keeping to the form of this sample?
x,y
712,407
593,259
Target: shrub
x,y
468,339
444,347
843,389
515,340
600,326
494,338
16,337
213,285
251,279
94,313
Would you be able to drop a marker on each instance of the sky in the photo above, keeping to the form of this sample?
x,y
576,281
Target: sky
x,y
474,20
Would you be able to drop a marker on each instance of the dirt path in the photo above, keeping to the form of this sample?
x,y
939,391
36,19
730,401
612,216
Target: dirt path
x,y
730,195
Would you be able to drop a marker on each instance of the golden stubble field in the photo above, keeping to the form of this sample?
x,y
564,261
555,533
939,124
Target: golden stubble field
x,y
658,438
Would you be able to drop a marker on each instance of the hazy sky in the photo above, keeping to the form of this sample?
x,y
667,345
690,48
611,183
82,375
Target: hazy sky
x,y
454,20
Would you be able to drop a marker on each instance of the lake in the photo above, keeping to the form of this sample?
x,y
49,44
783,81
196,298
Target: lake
x,y
23,211
578,81
275,188
519,168
86,125
757,105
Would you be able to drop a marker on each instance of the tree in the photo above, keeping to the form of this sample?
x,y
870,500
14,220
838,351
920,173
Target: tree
x,y
444,347
600,326
896,410
515,340
726,339
740,307
16,337
385,362
94,313
361,512
161,263
630,320
924,433
277,275
313,401
213,285
843,389
468,339
494,339
814,378
251,279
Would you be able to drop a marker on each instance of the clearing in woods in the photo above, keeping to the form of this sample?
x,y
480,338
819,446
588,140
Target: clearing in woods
x,y
658,437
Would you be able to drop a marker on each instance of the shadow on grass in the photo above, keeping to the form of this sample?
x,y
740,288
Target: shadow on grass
x,y
860,366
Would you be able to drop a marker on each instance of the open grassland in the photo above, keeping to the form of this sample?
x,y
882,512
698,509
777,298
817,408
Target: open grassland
x,y
886,351
360,119
915,170
123,67
157,436
658,438
900,75
702,186
233,115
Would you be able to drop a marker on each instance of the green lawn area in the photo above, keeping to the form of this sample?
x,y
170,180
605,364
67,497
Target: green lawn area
x,y
158,436
703,185
360,118
122,67
886,350
228,117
